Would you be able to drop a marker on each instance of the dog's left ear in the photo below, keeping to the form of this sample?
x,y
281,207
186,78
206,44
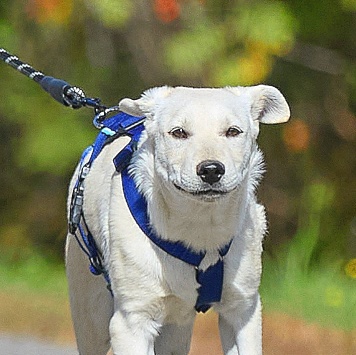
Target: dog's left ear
x,y
147,104
268,104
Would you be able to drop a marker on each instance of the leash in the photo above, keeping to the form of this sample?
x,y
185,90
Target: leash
x,y
60,90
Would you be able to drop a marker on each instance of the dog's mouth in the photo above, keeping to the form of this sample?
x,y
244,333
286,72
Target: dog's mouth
x,y
206,194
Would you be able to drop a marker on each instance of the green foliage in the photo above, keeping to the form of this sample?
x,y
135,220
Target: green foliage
x,y
51,135
112,13
190,51
268,22
316,200
349,4
236,48
7,34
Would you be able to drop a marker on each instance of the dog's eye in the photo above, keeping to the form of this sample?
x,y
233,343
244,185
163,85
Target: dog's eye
x,y
233,132
179,133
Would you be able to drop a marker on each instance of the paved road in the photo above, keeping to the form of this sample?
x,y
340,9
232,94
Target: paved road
x,y
13,345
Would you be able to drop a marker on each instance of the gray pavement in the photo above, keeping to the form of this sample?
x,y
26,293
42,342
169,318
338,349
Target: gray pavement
x,y
20,345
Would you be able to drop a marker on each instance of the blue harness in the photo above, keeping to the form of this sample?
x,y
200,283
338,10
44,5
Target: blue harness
x,y
210,280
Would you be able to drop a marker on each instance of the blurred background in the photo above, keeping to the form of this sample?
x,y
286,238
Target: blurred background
x,y
118,48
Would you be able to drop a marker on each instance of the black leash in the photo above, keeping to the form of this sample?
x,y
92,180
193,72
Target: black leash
x,y
60,90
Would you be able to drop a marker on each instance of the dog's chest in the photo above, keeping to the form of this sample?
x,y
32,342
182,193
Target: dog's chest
x,y
180,278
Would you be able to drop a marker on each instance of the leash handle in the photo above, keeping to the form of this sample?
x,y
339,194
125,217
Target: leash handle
x,y
60,90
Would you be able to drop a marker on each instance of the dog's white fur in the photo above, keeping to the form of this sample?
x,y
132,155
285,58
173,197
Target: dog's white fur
x,y
152,311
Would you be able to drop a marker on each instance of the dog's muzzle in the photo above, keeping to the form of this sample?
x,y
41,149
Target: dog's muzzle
x,y
210,173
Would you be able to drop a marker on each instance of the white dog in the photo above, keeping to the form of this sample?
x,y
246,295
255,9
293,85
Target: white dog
x,y
196,167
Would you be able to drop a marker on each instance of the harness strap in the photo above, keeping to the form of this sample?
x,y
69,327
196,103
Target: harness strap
x,y
115,127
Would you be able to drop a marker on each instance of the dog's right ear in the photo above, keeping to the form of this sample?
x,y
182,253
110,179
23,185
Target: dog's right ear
x,y
147,104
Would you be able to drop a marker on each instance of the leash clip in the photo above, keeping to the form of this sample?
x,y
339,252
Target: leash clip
x,y
76,205
102,115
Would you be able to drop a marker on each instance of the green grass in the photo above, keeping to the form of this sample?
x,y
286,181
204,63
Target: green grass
x,y
34,298
33,273
323,295
298,285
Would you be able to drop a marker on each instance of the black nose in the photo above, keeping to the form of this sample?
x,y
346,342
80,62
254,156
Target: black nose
x,y
210,171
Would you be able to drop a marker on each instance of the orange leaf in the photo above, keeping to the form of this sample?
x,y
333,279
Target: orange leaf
x,y
167,10
296,135
43,11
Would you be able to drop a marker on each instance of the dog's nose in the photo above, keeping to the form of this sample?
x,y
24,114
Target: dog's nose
x,y
210,171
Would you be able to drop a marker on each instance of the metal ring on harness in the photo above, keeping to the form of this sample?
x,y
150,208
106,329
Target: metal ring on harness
x,y
102,115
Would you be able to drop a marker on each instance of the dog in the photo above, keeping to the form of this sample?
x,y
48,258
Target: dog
x,y
196,166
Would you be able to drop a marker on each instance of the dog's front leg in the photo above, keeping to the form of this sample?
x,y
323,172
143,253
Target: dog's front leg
x,y
132,334
241,333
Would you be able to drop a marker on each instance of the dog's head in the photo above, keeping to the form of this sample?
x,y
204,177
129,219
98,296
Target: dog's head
x,y
201,140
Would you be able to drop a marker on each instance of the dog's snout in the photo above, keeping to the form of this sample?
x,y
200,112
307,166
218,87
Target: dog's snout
x,y
210,171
